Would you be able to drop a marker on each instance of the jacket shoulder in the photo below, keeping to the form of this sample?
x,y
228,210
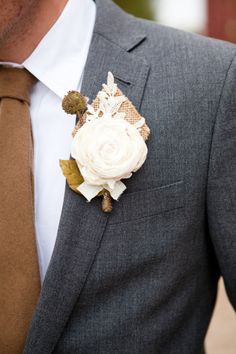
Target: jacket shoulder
x,y
198,49
162,44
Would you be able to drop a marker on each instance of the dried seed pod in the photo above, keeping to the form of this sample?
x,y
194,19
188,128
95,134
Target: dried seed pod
x,y
107,202
74,103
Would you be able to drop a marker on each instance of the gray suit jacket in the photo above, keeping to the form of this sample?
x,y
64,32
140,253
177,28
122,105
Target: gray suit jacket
x,y
143,280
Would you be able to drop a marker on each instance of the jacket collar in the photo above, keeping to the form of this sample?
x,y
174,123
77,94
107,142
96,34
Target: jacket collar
x,y
83,224
117,26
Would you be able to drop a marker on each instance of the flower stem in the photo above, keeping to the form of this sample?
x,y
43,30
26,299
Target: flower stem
x,y
107,202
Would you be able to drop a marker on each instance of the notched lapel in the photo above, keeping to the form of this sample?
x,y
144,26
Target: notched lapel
x,y
80,232
83,224
130,72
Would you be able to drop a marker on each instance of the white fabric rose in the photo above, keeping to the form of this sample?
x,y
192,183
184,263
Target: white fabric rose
x,y
107,150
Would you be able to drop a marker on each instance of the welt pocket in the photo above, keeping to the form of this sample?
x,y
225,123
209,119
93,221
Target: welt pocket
x,y
146,203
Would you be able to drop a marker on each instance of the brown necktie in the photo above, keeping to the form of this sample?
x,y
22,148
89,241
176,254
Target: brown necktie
x,y
19,274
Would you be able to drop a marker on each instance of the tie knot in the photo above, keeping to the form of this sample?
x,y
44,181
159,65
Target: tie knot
x,y
16,83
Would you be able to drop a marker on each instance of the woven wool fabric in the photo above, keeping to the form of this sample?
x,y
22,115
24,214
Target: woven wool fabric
x,y
19,274
143,279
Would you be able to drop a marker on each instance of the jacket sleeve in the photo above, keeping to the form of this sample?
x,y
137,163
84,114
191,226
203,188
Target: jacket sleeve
x,y
221,187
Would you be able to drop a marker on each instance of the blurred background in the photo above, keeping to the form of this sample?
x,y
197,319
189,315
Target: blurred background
x,y
215,18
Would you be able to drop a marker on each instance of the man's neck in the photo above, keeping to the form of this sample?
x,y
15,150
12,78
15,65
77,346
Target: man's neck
x,y
22,42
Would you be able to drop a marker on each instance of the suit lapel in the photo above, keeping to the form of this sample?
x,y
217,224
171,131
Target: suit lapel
x,y
82,224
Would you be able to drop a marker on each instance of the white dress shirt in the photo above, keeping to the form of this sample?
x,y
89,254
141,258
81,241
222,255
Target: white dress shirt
x,y
58,63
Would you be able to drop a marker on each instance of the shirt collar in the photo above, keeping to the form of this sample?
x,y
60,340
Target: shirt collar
x,y
59,59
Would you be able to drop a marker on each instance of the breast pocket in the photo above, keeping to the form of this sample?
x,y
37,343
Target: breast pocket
x,y
148,203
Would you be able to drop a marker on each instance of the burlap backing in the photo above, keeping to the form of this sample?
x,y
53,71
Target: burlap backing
x,y
132,115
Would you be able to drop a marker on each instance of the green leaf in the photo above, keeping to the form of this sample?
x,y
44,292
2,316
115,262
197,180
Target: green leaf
x,y
73,176
72,173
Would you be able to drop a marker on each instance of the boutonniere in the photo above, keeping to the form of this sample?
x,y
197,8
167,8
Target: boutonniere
x,y
108,143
